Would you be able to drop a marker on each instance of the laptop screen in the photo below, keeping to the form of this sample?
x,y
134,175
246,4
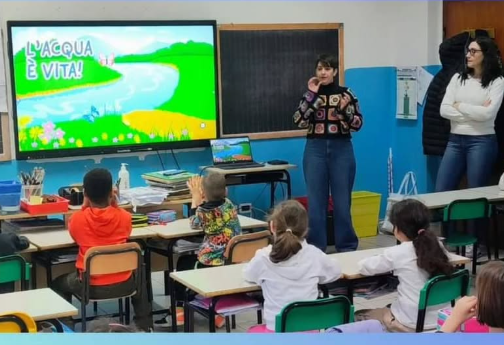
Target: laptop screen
x,y
231,150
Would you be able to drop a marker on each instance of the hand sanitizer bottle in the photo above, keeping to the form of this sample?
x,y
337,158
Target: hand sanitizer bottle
x,y
124,177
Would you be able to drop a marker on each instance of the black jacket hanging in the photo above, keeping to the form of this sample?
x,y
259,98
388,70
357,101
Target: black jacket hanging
x,y
436,129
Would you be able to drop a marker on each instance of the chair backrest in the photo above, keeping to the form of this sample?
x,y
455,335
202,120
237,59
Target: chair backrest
x,y
441,289
14,268
467,209
113,259
17,322
314,315
242,248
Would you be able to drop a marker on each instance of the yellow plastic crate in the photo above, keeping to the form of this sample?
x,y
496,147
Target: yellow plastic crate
x,y
365,213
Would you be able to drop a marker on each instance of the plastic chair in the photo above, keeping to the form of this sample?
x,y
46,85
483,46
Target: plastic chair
x,y
314,315
14,268
17,322
240,249
439,290
109,260
465,210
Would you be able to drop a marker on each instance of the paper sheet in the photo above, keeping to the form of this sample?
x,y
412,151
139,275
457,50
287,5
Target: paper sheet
x,y
424,79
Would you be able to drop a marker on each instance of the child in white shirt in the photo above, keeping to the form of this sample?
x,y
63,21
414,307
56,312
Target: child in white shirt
x,y
419,257
290,269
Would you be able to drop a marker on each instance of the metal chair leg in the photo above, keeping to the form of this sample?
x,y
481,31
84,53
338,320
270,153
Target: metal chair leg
x,y
121,312
127,302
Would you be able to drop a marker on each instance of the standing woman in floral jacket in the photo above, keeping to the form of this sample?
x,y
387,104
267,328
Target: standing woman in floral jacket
x,y
330,113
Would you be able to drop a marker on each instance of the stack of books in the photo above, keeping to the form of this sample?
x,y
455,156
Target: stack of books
x,y
174,181
162,217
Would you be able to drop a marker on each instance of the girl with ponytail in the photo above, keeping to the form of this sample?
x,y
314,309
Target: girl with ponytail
x,y
290,269
418,258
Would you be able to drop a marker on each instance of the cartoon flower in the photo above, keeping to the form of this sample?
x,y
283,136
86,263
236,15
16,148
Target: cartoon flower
x,y
130,135
104,136
22,136
171,136
34,144
44,140
79,143
48,127
121,137
115,140
137,138
152,136
71,140
59,133
24,121
185,132
62,142
203,125
56,145
95,140
36,132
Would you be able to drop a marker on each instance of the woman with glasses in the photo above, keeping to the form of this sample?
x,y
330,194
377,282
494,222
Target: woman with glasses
x,y
471,103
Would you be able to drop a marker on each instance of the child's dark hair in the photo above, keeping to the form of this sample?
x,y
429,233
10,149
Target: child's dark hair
x,y
214,187
104,325
327,60
412,218
490,286
98,186
290,223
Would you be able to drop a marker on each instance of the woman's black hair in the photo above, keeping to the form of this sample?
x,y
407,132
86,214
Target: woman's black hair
x,y
327,60
412,218
491,64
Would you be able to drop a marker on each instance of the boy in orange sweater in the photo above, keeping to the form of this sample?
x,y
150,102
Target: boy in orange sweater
x,y
101,223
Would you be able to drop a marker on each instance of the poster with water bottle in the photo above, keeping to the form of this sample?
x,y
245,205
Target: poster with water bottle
x,y
407,93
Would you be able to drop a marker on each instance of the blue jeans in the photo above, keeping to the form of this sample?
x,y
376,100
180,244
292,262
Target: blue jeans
x,y
471,154
330,163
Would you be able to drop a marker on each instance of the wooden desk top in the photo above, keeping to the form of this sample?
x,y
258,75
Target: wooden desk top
x,y
181,227
40,304
57,239
265,168
30,249
442,199
226,280
349,261
22,215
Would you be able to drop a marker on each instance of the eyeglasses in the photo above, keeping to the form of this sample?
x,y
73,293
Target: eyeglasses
x,y
473,51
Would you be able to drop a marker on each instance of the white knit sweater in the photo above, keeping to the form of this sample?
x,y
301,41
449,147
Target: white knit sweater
x,y
472,118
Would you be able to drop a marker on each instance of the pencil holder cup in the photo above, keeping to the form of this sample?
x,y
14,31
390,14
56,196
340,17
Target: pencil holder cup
x,y
32,190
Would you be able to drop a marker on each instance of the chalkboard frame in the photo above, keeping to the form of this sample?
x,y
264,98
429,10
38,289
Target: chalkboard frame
x,y
279,27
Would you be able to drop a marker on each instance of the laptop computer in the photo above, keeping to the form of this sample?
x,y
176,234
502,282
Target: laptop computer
x,y
233,153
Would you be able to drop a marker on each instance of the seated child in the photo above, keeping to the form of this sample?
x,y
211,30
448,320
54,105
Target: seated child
x,y
488,305
10,244
101,222
218,218
419,257
290,269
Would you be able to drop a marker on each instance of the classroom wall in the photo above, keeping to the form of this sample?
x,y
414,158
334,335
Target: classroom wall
x,y
378,37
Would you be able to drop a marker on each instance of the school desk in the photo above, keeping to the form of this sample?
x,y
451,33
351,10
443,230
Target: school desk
x,y
436,201
228,280
269,174
40,304
60,239
175,204
181,229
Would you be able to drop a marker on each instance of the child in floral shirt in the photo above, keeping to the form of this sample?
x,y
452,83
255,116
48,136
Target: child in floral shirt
x,y
215,215
218,218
